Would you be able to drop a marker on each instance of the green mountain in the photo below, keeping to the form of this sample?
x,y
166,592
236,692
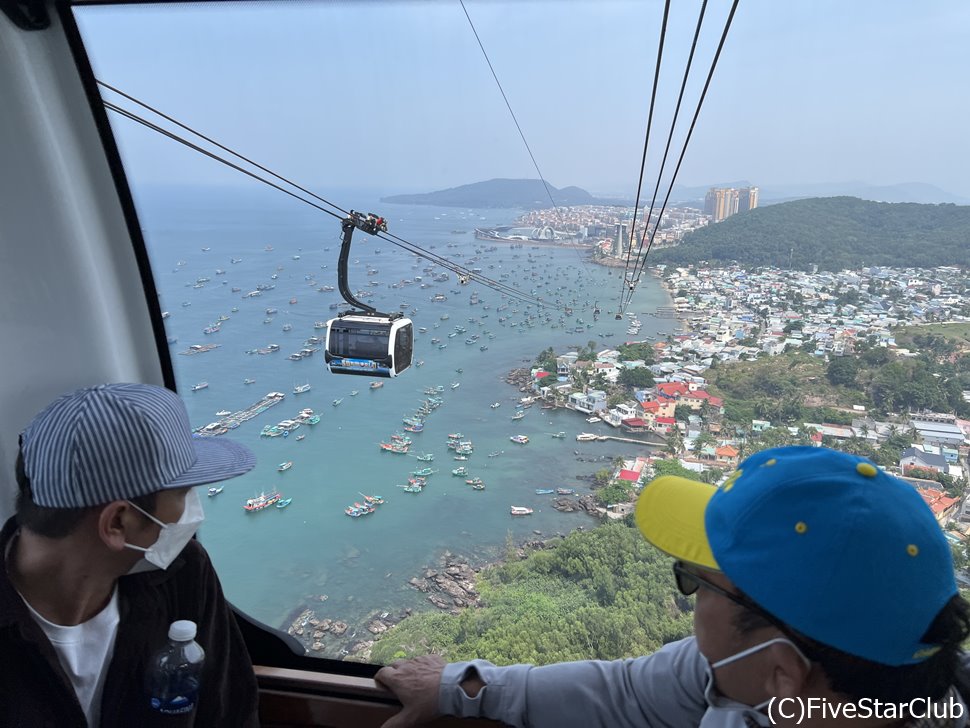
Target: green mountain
x,y
528,193
832,233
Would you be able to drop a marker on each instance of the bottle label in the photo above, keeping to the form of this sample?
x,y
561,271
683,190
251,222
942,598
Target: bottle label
x,y
178,701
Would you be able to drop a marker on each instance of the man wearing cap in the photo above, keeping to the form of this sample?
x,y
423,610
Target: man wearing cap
x,y
100,561
823,585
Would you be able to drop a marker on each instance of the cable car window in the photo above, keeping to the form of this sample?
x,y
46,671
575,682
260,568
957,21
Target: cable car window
x,y
361,342
543,316
402,347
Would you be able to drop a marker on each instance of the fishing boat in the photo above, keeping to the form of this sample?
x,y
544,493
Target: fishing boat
x,y
263,500
565,491
354,392
285,466
521,511
374,500
474,481
520,439
545,491
460,471
301,388
336,402
495,405
478,486
376,385
496,453
424,472
216,490
411,488
559,435
414,428
427,458
518,415
284,503
460,457
456,436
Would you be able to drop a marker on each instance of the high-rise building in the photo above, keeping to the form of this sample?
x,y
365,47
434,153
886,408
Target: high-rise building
x,y
621,238
722,202
748,199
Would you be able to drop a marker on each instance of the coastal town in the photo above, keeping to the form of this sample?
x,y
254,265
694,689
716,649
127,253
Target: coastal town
x,y
730,317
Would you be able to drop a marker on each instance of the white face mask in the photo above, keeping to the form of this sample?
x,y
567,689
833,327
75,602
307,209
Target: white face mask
x,y
172,538
721,702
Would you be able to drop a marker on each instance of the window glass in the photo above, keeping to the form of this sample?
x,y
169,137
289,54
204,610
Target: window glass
x,y
530,415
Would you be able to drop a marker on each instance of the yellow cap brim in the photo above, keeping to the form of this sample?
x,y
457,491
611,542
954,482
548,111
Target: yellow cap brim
x,y
670,514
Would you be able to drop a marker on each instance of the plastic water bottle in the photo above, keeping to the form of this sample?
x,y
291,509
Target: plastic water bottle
x,y
175,671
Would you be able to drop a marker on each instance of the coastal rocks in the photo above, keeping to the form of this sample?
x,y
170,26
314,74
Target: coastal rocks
x,y
338,628
377,627
586,503
521,378
453,586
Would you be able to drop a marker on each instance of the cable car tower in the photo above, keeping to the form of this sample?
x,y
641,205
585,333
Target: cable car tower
x,y
364,341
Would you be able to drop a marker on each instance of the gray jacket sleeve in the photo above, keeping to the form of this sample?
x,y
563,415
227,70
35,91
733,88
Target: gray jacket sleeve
x,y
663,689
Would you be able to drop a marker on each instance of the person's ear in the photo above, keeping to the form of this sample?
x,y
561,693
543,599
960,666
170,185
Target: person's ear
x,y
789,674
116,523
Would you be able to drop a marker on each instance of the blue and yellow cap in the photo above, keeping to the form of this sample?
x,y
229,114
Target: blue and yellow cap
x,y
827,542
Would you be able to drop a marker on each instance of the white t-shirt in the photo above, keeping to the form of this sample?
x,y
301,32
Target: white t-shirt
x,y
84,651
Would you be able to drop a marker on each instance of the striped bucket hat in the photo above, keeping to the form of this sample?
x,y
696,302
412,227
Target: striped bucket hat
x,y
118,441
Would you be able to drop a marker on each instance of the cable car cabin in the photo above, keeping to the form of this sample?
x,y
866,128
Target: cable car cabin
x,y
372,345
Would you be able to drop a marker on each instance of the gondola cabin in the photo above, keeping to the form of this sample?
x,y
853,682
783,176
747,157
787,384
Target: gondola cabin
x,y
372,345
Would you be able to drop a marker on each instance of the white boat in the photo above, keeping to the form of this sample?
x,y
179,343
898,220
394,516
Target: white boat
x,y
249,381
521,511
455,385
586,437
223,413
301,388
215,490
337,401
200,385
495,405
593,419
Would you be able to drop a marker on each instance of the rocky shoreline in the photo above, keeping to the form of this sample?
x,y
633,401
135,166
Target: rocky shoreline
x,y
449,585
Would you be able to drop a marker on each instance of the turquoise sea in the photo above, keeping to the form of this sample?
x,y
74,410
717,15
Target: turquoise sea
x,y
275,562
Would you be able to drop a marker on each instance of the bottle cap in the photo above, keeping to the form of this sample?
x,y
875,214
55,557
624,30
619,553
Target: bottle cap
x,y
182,631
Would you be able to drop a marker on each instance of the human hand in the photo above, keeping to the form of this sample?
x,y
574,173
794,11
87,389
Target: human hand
x,y
416,684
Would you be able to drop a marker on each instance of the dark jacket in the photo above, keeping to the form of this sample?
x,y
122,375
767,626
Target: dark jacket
x,y
36,693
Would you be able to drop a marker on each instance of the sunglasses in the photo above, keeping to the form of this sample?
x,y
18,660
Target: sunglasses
x,y
689,581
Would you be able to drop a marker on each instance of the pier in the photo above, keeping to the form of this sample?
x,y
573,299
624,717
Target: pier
x,y
230,422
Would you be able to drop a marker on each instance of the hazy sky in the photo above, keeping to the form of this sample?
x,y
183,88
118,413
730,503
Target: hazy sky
x,y
396,96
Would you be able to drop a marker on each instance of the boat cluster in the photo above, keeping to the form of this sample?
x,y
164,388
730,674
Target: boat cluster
x,y
366,508
284,428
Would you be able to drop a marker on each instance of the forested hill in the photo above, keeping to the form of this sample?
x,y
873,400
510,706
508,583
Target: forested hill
x,y
833,233
527,193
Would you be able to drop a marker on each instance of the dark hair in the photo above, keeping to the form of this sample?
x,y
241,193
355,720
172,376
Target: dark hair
x,y
856,677
57,522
